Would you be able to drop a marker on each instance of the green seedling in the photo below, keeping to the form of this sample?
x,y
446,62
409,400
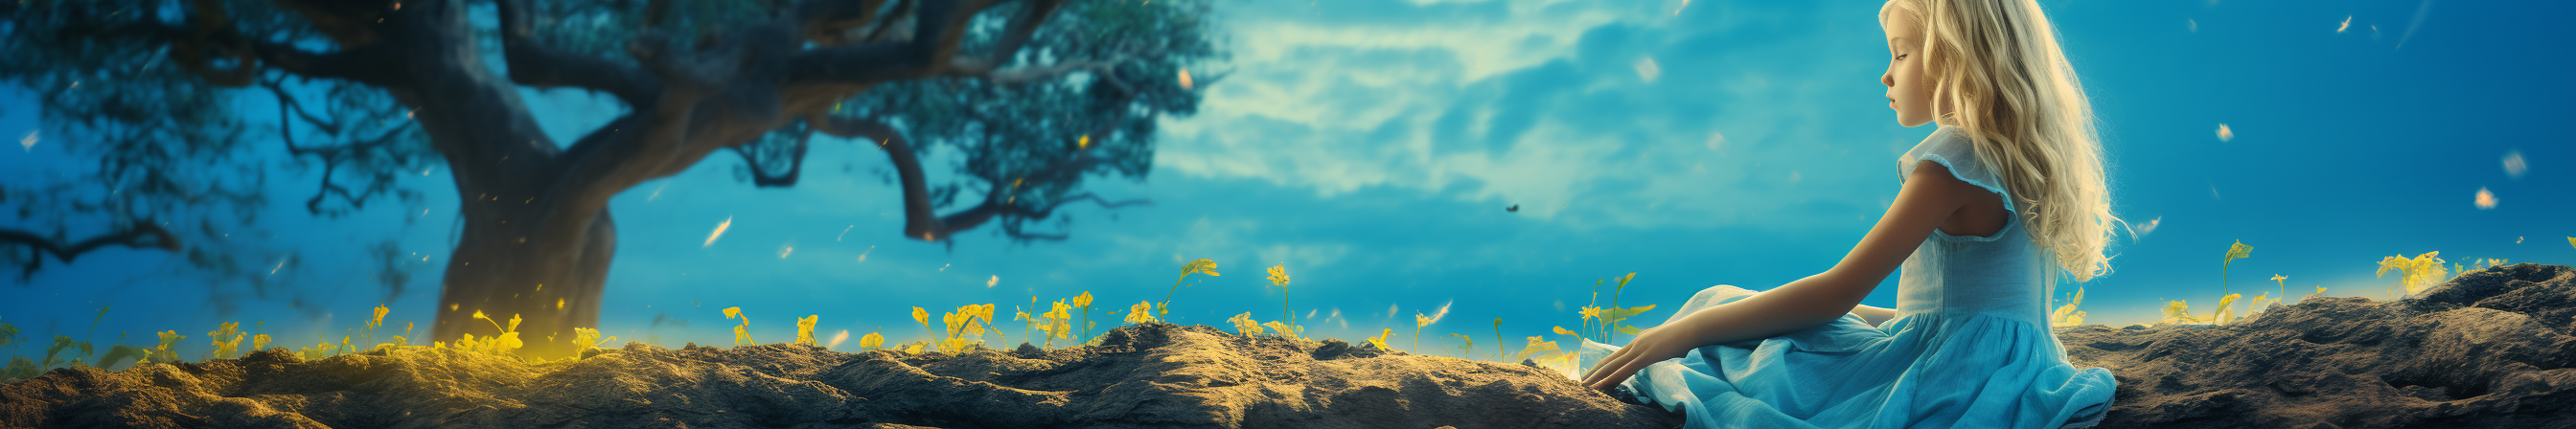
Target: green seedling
x,y
1194,267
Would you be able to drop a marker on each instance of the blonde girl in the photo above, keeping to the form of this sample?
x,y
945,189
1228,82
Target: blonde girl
x,y
2005,197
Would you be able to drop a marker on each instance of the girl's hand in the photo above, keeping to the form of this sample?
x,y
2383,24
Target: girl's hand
x,y
1652,345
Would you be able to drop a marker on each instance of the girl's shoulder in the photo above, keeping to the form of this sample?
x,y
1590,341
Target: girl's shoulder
x,y
1951,147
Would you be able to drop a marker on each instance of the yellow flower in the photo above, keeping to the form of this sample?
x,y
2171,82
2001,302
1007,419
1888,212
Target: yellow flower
x,y
1243,324
1142,312
380,317
1082,301
259,342
732,312
872,340
805,329
918,315
915,348
1279,275
1202,266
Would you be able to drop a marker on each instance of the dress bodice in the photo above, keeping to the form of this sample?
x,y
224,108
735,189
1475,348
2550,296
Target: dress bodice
x,y
2003,274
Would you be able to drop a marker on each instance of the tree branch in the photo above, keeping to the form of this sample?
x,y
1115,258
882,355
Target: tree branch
x,y
535,64
210,33
795,166
1017,34
938,26
143,234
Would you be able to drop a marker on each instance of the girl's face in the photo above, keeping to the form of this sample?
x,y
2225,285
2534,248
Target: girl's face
x,y
1906,91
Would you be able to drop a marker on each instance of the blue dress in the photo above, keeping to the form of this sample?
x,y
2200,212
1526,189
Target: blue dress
x,y
1970,346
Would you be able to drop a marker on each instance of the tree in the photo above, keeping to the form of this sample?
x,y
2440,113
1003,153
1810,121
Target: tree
x,y
1037,93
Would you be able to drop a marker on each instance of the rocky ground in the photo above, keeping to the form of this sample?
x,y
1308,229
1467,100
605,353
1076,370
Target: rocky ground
x,y
2489,349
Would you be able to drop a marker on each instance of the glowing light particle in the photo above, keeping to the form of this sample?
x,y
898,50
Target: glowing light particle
x,y
2225,134
720,227
28,142
2486,200
993,281
1185,78
2514,166
2347,23
784,251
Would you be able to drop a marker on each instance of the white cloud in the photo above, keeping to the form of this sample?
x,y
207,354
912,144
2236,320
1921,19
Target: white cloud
x,y
1340,107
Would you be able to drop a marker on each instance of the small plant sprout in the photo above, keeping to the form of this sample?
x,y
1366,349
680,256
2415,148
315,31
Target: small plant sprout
x,y
1498,338
1055,325
2225,313
1142,312
2282,282
226,339
2066,315
2178,313
1243,324
2234,252
1468,346
922,316
1380,339
501,344
1279,277
164,352
1538,348
1283,328
2415,274
1611,316
588,338
1420,321
1083,302
1194,267
742,332
871,341
805,329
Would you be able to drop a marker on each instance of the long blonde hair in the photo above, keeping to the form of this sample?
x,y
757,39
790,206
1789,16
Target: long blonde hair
x,y
1997,62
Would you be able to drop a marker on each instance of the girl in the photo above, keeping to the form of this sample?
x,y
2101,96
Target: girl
x,y
2004,197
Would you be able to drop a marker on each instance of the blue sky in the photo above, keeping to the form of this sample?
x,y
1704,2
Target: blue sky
x,y
1372,146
